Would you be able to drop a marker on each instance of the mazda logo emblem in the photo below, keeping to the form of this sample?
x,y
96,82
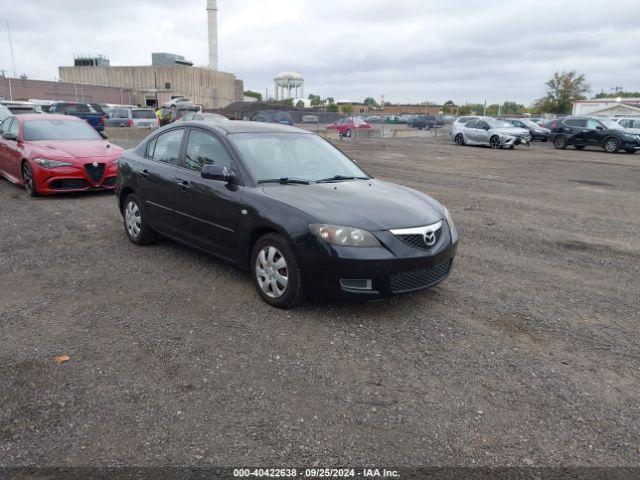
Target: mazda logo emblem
x,y
430,239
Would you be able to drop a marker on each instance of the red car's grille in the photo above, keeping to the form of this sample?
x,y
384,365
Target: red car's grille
x,y
95,172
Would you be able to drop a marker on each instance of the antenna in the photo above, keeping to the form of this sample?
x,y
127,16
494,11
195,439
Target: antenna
x,y
13,60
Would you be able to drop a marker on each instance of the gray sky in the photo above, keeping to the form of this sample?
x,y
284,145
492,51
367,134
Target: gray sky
x,y
407,50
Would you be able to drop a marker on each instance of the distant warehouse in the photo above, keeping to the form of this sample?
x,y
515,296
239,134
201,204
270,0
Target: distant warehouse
x,y
170,76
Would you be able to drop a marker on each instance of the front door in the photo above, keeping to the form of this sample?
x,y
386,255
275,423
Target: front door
x,y
596,132
482,132
157,184
11,152
209,210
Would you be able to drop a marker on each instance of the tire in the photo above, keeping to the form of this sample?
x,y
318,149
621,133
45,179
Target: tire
x,y
560,142
495,142
29,181
512,147
348,133
579,147
459,139
135,224
275,272
611,145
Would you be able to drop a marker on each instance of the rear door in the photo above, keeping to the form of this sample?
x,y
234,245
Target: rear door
x,y
157,183
209,210
577,130
469,131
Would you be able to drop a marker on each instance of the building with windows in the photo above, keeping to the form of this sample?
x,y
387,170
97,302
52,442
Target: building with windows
x,y
607,107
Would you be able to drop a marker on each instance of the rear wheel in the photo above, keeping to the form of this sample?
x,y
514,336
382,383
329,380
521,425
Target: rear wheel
x,y
495,142
348,133
135,223
275,272
459,139
560,142
611,145
29,181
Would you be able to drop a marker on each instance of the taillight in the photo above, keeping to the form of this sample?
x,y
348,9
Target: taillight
x,y
102,121
130,123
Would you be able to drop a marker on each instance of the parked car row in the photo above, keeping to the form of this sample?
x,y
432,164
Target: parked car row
x,y
269,198
488,131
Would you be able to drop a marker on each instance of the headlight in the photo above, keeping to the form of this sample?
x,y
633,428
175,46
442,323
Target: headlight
x,y
344,236
447,216
46,163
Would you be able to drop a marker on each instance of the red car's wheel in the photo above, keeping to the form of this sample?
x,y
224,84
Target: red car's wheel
x,y
348,133
29,180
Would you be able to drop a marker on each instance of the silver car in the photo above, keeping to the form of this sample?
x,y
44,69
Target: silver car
x,y
458,124
491,132
132,117
631,125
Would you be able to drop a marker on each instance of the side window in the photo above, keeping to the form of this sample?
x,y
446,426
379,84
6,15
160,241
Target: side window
x,y
471,124
5,125
205,149
151,146
14,127
167,148
593,124
482,125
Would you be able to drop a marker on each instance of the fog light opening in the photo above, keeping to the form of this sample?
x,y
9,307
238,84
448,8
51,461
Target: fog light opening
x,y
357,284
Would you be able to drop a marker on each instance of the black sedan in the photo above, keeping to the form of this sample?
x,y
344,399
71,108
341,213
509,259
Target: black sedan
x,y
584,132
537,132
287,205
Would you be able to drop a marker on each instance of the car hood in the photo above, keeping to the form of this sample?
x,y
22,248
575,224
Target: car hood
x,y
70,149
372,204
632,131
510,131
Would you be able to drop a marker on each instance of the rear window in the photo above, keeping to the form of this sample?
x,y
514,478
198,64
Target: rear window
x,y
143,114
59,130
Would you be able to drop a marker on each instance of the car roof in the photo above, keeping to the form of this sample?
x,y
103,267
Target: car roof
x,y
48,116
236,126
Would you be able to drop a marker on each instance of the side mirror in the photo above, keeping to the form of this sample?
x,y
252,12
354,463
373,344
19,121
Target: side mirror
x,y
599,127
103,135
217,172
10,136
487,127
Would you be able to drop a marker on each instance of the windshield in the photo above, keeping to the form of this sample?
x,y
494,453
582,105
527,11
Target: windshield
x,y
59,130
498,123
529,123
610,124
143,114
292,155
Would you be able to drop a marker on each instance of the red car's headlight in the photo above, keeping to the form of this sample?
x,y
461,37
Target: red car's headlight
x,y
47,163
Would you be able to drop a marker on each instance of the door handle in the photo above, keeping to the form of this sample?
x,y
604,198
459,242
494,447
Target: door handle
x,y
144,173
183,184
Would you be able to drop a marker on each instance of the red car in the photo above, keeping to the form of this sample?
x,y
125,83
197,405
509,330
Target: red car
x,y
49,154
347,125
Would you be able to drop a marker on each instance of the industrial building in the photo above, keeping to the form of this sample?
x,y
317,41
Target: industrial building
x,y
607,107
169,76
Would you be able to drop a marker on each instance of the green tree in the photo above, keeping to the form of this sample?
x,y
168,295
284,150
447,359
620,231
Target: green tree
x,y
256,95
330,100
370,103
316,101
300,104
449,107
332,107
347,108
618,93
564,88
287,101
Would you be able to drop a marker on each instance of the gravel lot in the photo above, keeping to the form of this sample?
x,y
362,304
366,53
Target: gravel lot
x,y
527,355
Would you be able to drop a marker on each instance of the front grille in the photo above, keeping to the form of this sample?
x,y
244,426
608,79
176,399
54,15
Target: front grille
x,y
68,184
417,240
418,279
95,173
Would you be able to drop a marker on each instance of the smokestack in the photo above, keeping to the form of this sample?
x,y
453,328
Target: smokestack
x,y
212,14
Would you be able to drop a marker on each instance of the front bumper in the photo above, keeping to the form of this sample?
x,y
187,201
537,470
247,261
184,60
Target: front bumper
x,y
80,177
395,268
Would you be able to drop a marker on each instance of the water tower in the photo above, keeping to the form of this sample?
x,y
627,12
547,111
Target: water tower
x,y
289,85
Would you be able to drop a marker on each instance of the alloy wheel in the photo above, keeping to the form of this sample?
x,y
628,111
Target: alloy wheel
x,y
27,176
133,220
611,145
459,139
272,272
495,142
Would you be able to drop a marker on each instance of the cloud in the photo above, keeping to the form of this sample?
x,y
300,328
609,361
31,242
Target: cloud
x,y
408,50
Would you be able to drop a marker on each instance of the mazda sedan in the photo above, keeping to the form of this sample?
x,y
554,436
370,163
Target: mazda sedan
x,y
50,154
302,217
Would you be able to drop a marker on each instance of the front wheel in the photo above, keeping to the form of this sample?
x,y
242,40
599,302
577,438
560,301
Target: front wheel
x,y
495,142
29,181
135,223
560,142
348,133
275,272
459,139
611,145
